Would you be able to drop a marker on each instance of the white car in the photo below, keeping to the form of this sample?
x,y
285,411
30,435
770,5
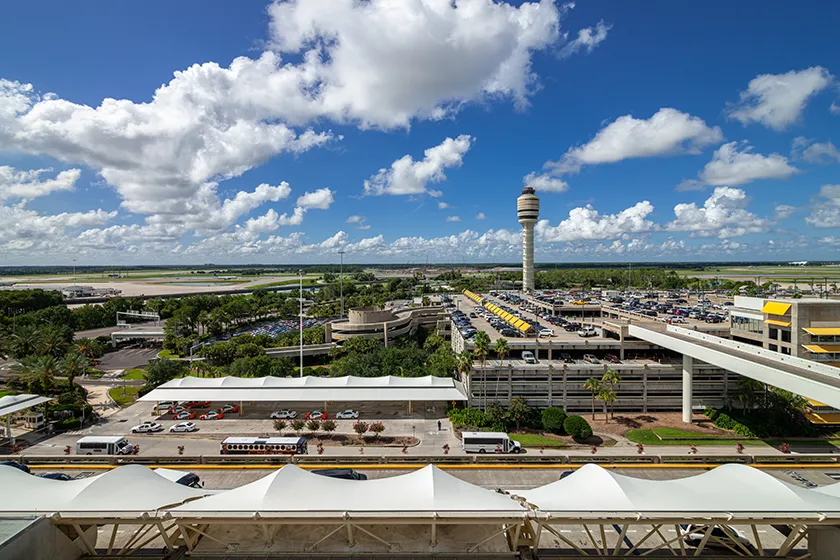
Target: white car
x,y
693,536
587,332
546,332
184,427
347,415
147,428
283,414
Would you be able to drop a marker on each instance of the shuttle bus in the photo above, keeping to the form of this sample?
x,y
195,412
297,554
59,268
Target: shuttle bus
x,y
489,442
264,446
103,445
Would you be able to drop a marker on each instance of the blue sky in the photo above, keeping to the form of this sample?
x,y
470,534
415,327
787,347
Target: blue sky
x,y
679,131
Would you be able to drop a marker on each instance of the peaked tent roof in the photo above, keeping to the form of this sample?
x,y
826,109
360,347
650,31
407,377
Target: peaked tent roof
x,y
295,492
14,403
131,488
730,488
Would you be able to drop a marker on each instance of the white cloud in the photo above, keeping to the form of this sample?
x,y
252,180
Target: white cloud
x,y
826,212
406,176
784,211
777,100
480,216
367,245
666,132
690,185
587,39
443,205
545,182
27,230
383,63
729,166
835,108
722,215
814,152
453,218
355,219
321,199
18,184
587,223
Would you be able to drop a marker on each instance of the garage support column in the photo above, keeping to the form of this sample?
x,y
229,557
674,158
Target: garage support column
x,y
385,332
241,407
9,428
823,542
409,407
688,369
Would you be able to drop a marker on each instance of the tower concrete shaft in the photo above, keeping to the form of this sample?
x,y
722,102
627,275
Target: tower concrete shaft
x,y
528,212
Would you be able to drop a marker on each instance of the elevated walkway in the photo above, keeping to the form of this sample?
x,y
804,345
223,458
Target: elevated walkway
x,y
803,377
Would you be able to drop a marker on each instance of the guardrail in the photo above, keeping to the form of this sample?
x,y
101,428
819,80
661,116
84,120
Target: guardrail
x,y
533,458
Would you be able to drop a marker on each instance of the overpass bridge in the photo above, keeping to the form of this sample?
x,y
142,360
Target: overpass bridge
x,y
814,380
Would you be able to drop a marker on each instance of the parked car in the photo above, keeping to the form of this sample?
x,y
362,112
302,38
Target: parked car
x,y
546,333
228,408
284,415
347,415
566,357
197,404
184,415
212,415
572,326
591,359
693,535
586,332
56,476
346,474
315,415
184,427
612,358
176,409
528,357
16,465
147,428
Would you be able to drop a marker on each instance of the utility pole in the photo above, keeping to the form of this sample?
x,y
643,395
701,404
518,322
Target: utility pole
x,y
300,320
341,282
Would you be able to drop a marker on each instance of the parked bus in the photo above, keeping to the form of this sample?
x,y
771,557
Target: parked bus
x,y
104,445
489,442
264,446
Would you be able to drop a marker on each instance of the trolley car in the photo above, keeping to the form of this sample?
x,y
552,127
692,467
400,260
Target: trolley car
x,y
264,446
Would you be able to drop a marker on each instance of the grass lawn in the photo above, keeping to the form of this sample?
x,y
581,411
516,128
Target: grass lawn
x,y
536,440
135,374
167,354
4,393
649,437
123,396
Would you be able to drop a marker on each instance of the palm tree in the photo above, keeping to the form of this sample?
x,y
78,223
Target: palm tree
x,y
201,367
38,372
593,384
746,391
464,362
613,379
74,364
87,347
608,397
501,348
53,341
24,341
482,348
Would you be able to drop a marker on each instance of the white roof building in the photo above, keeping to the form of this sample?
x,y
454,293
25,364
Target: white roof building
x,y
15,403
309,389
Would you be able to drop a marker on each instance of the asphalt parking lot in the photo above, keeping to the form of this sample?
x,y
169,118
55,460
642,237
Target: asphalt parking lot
x,y
127,358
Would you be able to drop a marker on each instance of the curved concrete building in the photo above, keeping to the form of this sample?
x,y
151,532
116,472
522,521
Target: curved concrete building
x,y
528,212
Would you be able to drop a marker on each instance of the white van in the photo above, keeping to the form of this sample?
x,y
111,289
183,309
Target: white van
x,y
528,357
489,442
103,445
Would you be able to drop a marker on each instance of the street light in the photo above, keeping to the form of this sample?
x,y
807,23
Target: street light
x,y
341,282
300,320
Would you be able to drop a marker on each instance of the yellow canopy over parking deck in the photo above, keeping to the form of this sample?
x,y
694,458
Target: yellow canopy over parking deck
x,y
776,308
515,322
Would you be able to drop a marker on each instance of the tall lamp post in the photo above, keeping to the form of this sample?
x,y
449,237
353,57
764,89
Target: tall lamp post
x,y
300,320
341,282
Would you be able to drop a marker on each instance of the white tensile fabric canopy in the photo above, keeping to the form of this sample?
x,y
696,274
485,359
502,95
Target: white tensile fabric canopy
x,y
131,489
294,492
733,489
310,388
14,403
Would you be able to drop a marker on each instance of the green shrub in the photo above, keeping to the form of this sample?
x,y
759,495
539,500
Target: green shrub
x,y
552,420
468,418
577,427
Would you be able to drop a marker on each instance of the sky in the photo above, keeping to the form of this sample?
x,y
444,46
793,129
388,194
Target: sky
x,y
402,131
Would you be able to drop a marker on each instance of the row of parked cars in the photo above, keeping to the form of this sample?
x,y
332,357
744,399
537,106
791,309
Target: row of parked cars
x,y
677,313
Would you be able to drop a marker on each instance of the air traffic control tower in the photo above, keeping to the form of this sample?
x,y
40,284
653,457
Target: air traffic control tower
x,y
528,211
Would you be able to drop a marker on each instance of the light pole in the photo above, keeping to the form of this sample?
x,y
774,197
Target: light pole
x,y
74,272
300,320
341,282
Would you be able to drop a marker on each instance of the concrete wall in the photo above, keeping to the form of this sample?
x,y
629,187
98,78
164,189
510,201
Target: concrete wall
x,y
39,541
368,315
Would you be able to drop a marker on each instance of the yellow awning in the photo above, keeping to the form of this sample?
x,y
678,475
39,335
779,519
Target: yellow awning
x,y
777,323
775,308
812,402
517,323
822,348
823,331
825,418
524,326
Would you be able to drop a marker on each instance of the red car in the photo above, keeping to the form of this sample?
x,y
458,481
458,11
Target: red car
x,y
197,404
316,415
228,408
184,415
212,415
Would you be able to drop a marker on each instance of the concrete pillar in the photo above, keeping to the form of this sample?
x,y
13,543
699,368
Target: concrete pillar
x,y
549,350
644,390
565,402
688,369
550,389
385,332
823,542
328,333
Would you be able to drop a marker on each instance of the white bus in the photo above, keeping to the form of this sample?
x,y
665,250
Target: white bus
x,y
264,446
489,442
103,445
